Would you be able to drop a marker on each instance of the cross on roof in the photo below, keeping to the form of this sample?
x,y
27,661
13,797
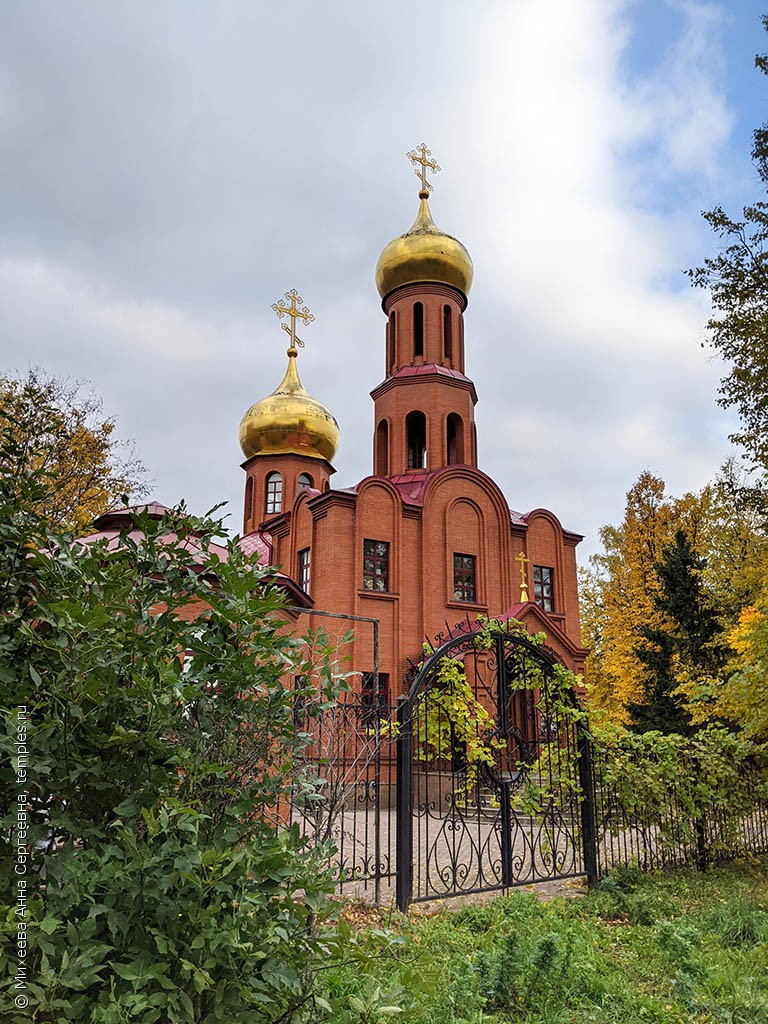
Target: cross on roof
x,y
523,576
421,155
292,310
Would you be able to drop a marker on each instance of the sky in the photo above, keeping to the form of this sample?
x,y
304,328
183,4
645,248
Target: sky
x,y
169,169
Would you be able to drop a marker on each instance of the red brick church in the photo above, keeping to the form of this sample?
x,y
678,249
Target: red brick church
x,y
428,539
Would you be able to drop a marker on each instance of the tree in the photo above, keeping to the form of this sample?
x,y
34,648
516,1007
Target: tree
x,y
737,279
149,681
619,594
687,645
85,470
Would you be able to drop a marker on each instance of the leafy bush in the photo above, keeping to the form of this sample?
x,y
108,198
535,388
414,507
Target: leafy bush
x,y
162,748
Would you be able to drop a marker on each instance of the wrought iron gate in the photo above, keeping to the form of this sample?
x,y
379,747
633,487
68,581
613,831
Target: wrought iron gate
x,y
494,780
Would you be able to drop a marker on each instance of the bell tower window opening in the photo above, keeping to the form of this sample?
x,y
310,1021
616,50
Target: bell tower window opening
x,y
304,569
391,341
418,330
248,500
274,494
416,432
464,578
305,482
543,587
382,449
455,440
447,337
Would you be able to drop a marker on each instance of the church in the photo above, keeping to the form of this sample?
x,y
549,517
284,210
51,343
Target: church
x,y
427,541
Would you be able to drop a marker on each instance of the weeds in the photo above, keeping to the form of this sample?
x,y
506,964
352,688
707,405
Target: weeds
x,y
682,948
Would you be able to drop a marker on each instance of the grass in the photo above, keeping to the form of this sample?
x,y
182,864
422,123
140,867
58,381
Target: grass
x,y
670,948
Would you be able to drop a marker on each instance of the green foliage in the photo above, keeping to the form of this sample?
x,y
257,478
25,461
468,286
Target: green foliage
x,y
671,784
162,746
737,279
451,722
688,646
83,469
516,959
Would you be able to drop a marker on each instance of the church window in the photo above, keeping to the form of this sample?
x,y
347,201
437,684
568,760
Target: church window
x,y
391,342
304,567
464,578
374,699
418,330
376,565
274,494
455,440
249,499
543,588
382,449
416,432
447,339
305,482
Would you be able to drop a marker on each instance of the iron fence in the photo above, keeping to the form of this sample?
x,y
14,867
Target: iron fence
x,y
454,832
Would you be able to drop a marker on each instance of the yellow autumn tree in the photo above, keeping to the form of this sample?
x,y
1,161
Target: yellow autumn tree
x,y
742,697
86,468
619,597
725,526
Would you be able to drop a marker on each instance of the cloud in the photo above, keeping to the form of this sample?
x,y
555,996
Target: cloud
x,y
168,171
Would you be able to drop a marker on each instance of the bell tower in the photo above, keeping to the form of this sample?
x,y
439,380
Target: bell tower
x,y
424,407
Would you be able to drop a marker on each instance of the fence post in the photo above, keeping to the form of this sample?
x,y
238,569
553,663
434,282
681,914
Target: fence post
x,y
506,834
587,786
404,799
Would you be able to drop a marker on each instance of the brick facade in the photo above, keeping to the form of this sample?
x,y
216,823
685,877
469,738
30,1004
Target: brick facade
x,y
426,500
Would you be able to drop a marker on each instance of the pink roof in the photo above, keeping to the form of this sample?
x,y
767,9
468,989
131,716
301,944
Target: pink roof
x,y
412,486
430,369
259,543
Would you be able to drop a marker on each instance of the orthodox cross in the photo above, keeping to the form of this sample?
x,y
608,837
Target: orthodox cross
x,y
292,310
421,155
523,578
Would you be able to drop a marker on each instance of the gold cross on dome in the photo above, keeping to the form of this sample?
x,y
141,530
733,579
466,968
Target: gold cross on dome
x,y
292,310
523,577
421,155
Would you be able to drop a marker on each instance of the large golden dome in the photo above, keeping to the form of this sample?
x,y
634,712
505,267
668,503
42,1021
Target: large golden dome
x,y
425,253
289,421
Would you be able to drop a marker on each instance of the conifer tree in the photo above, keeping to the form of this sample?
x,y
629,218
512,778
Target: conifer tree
x,y
686,645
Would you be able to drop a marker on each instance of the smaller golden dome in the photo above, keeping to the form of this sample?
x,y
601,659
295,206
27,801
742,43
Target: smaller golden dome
x,y
289,421
425,253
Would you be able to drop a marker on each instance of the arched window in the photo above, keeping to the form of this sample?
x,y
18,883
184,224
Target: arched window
x,y
418,330
274,494
447,339
382,448
304,482
248,500
416,432
455,440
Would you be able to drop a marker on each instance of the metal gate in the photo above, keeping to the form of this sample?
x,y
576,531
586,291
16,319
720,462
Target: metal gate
x,y
494,780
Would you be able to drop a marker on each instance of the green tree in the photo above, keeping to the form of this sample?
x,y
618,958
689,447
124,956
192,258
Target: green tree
x,y
737,279
687,646
84,469
161,749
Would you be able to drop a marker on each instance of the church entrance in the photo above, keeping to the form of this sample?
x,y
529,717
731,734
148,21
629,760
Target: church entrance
x,y
494,777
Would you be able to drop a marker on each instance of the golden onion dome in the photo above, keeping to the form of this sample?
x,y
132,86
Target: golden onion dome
x,y
424,253
289,421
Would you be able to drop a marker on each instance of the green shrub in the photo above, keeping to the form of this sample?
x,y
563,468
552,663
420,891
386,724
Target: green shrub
x,y
161,751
